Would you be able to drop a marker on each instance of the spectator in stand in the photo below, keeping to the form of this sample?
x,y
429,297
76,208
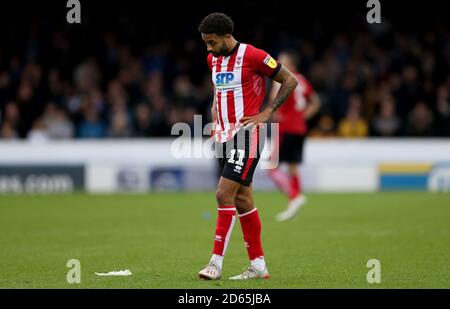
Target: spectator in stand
x,y
56,122
325,128
443,110
38,132
386,123
91,126
97,80
7,131
420,121
353,125
142,121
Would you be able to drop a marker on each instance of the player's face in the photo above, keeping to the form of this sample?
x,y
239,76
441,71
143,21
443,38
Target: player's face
x,y
215,44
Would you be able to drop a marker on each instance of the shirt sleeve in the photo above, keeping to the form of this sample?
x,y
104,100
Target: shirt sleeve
x,y
264,64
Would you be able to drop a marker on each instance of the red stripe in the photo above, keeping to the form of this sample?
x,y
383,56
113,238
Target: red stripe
x,y
219,109
231,109
231,62
252,152
219,64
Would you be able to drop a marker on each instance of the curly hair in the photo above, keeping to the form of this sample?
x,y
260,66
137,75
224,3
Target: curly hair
x,y
218,23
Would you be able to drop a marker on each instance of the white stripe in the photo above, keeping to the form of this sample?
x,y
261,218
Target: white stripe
x,y
247,213
239,103
226,208
223,102
227,238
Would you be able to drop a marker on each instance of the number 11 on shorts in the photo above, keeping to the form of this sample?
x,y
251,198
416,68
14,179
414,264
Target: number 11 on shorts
x,y
241,154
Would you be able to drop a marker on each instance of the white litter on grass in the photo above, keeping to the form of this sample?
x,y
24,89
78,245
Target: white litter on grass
x,y
116,273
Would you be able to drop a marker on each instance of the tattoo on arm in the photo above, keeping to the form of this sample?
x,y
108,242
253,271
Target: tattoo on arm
x,y
288,84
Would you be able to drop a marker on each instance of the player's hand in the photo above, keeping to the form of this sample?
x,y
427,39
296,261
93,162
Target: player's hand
x,y
253,121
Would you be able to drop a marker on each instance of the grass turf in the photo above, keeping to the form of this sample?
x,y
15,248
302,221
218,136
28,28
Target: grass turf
x,y
165,238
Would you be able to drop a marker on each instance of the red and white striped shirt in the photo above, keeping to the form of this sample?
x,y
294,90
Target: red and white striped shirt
x,y
239,86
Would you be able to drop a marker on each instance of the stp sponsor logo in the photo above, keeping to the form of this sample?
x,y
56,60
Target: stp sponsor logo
x,y
224,78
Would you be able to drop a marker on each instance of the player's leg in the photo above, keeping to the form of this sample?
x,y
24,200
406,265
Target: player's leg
x,y
296,197
298,142
279,178
241,155
244,199
225,194
251,229
248,214
226,217
294,180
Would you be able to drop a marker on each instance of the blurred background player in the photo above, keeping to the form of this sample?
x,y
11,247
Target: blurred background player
x,y
238,73
292,117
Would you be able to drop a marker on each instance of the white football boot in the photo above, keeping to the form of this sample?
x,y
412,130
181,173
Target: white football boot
x,y
252,273
211,271
292,210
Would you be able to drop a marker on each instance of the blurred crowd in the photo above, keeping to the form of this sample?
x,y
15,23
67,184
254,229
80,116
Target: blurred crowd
x,y
372,81
383,84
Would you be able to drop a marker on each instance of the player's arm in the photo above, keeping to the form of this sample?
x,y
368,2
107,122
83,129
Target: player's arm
x,y
288,83
312,106
214,111
213,107
273,91
272,94
213,116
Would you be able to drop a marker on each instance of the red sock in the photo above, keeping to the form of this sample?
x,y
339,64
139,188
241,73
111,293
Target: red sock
x,y
295,186
225,222
251,228
281,180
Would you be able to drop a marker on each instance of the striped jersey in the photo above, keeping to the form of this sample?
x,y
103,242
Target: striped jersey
x,y
239,86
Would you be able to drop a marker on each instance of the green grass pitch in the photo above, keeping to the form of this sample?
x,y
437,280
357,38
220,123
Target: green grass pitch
x,y
164,239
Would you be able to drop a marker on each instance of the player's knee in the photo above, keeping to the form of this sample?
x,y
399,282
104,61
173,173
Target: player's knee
x,y
244,202
223,197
